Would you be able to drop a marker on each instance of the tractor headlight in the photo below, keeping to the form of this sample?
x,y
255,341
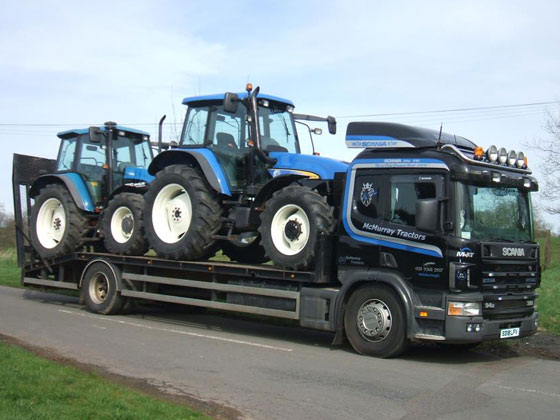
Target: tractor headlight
x,y
463,309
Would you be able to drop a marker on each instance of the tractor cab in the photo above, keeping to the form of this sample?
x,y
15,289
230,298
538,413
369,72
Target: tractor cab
x,y
92,154
208,124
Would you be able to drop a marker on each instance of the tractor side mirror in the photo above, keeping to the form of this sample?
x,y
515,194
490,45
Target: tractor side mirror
x,y
427,216
231,101
95,134
331,122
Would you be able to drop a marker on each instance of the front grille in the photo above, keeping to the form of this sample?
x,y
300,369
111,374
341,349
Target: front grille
x,y
501,276
508,306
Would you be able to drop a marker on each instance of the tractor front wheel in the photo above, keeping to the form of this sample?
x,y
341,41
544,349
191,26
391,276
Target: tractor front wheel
x,y
182,214
291,225
58,226
123,225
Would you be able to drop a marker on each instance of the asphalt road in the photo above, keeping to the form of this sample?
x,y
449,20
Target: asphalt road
x,y
279,372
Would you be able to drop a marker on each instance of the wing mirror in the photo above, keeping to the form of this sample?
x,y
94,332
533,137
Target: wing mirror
x,y
95,134
231,101
427,214
331,122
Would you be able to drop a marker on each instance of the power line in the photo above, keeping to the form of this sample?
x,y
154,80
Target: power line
x,y
482,108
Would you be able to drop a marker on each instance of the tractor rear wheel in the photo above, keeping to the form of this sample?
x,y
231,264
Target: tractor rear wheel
x,y
58,226
291,225
182,214
246,250
123,225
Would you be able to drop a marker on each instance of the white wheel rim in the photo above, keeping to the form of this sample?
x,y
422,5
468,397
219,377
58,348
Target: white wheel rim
x,y
172,213
122,224
51,223
290,229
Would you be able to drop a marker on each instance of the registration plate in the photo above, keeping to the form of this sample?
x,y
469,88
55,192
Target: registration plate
x,y
509,332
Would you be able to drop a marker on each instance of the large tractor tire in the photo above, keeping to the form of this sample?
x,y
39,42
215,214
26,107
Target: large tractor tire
x,y
182,214
123,225
291,224
58,226
246,250
375,323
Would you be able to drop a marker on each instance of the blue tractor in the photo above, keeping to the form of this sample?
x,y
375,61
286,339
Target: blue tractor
x,y
238,181
95,193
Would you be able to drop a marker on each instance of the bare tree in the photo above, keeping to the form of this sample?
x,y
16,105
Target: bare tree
x,y
549,147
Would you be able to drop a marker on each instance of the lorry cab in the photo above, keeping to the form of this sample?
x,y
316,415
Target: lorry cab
x,y
449,218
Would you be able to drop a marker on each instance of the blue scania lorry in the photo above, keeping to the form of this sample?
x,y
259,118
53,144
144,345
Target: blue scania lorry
x,y
424,236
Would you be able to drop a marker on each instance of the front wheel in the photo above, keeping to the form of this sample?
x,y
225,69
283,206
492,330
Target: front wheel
x,y
123,225
292,223
375,323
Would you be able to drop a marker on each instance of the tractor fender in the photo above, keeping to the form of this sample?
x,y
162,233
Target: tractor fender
x,y
354,278
198,157
73,182
273,185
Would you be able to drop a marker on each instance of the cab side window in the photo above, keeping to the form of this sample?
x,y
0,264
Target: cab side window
x,y
405,192
67,152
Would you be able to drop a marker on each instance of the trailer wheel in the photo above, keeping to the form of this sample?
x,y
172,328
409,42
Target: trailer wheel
x,y
291,224
123,225
182,214
99,287
374,321
58,226
246,250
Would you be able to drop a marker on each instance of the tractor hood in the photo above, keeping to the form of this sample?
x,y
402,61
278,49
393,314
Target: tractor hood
x,y
309,165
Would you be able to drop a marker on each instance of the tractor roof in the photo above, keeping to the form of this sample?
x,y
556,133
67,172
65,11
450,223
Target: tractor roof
x,y
391,135
242,95
77,131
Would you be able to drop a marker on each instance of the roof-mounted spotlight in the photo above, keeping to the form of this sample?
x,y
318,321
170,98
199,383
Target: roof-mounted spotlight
x,y
520,160
502,156
512,158
492,154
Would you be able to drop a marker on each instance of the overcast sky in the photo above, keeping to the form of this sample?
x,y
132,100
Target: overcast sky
x,y
73,64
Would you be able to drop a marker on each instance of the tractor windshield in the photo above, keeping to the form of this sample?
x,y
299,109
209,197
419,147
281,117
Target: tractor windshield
x,y
493,213
211,125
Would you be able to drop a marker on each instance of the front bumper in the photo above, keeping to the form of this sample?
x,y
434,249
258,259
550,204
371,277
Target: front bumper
x,y
456,328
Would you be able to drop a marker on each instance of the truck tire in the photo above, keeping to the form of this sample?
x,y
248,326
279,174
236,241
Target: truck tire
x,y
375,323
182,214
291,224
123,225
58,226
99,289
247,250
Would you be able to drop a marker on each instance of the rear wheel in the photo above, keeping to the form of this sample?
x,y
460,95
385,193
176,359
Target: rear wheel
x,y
374,322
182,214
246,250
123,225
58,226
99,288
291,225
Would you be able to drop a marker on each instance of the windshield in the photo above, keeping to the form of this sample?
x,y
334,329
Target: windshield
x,y
493,213
211,125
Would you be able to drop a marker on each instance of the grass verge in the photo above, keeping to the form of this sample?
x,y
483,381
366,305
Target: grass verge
x,y
35,388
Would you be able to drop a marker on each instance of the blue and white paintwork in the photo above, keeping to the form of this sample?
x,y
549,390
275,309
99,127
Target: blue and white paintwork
x,y
359,141
375,238
290,163
133,173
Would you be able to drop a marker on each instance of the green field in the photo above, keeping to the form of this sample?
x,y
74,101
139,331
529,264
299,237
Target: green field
x,y
549,292
35,388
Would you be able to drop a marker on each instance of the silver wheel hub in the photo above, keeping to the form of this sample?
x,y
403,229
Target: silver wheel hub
x,y
374,320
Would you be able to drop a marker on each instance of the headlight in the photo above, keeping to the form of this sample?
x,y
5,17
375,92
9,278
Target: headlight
x,y
492,154
512,158
502,156
463,309
520,160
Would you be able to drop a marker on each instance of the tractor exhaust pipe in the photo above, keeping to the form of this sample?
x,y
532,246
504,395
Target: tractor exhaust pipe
x,y
160,133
